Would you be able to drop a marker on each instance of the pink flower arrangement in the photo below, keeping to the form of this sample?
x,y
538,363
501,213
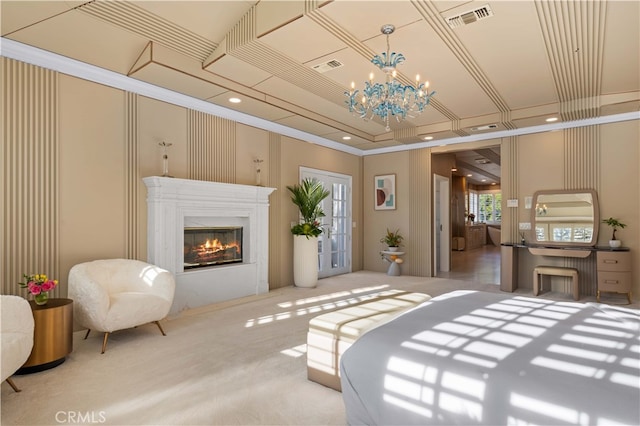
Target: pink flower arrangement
x,y
38,283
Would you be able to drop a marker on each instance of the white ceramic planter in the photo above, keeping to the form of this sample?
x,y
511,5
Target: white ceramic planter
x,y
305,261
615,243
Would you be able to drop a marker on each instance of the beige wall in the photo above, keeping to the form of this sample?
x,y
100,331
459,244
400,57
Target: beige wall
x,y
95,144
108,140
376,222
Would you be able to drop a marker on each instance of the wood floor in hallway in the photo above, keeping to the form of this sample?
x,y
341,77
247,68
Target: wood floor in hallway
x,y
480,265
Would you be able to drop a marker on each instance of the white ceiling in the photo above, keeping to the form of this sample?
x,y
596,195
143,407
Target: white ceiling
x,y
529,61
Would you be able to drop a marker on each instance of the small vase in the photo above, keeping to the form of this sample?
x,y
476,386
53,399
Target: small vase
x,y
41,299
615,243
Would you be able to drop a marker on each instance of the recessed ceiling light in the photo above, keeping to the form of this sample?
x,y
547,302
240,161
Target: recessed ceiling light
x,y
469,175
235,100
551,119
454,169
483,180
493,183
346,138
428,138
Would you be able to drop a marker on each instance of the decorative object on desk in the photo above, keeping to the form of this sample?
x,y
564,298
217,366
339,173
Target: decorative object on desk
x,y
308,197
615,224
38,285
391,98
165,158
257,162
392,239
472,217
522,240
385,192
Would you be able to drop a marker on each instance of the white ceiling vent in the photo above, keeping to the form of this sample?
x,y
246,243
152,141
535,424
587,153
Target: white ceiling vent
x,y
482,161
327,66
469,17
487,127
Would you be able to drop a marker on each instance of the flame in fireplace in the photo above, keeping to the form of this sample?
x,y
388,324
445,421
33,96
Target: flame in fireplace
x,y
212,246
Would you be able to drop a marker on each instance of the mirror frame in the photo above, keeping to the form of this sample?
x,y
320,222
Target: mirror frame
x,y
596,218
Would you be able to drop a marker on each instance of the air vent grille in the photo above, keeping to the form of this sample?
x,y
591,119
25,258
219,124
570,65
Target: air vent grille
x,y
327,66
486,127
469,17
482,161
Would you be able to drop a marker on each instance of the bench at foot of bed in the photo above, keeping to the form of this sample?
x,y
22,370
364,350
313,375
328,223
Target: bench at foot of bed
x,y
332,333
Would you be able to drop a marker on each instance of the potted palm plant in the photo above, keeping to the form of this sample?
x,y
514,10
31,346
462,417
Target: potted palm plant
x,y
307,196
615,224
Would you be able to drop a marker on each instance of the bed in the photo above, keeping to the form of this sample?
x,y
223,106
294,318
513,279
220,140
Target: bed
x,y
469,357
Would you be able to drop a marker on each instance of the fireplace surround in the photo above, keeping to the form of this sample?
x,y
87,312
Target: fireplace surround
x,y
174,205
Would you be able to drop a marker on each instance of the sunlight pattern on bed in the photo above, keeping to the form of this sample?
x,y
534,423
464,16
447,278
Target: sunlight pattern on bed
x,y
483,358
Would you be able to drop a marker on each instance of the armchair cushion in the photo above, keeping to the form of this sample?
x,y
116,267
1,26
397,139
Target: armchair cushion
x,y
16,334
114,294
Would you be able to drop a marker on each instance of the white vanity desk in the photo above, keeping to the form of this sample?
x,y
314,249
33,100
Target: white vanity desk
x,y
565,223
613,266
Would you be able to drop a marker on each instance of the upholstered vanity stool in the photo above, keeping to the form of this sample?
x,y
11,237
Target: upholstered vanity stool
x,y
539,271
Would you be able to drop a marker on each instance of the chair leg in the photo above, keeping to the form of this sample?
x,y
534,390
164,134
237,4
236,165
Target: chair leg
x,y
160,327
536,283
87,335
13,385
104,341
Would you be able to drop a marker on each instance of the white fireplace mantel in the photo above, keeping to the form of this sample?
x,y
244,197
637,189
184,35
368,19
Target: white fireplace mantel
x,y
175,203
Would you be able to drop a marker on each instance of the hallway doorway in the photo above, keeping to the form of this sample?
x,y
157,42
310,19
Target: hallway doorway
x,y
481,265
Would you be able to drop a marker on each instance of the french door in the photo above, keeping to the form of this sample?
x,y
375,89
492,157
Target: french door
x,y
334,244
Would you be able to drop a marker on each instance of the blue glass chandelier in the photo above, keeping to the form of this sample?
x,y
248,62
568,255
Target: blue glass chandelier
x,y
391,98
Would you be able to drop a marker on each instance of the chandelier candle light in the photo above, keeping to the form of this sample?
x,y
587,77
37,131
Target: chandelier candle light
x,y
391,98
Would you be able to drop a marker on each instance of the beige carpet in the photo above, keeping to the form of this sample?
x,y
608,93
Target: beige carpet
x,y
237,363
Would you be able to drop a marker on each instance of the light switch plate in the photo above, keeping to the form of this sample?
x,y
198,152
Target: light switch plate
x,y
527,202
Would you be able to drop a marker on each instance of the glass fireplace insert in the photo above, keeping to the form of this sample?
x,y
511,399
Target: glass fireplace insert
x,y
212,246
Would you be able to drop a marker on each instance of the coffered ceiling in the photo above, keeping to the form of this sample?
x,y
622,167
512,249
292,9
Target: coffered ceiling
x,y
495,65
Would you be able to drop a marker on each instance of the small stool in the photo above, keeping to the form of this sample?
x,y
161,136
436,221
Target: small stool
x,y
538,271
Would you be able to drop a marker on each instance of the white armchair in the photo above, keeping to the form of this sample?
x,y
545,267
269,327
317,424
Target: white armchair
x,y
115,294
16,335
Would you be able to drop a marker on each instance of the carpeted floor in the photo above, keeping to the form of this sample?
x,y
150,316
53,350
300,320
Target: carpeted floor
x,y
237,363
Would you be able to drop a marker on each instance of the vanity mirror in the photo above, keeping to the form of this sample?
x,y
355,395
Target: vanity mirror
x,y
565,218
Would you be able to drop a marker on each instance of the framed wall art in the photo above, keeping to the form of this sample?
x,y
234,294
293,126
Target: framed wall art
x,y
385,192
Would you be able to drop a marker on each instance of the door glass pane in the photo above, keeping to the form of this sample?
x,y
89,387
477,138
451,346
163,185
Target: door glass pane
x,y
334,244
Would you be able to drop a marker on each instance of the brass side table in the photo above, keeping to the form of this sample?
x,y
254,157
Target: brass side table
x,y
52,335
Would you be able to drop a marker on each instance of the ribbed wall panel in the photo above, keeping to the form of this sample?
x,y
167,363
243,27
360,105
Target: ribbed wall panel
x,y
581,167
276,200
420,204
30,175
211,148
509,188
132,179
582,171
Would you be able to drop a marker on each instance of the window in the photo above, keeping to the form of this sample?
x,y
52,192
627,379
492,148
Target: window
x,y
486,206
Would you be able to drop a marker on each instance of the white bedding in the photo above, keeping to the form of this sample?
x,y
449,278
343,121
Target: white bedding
x,y
488,358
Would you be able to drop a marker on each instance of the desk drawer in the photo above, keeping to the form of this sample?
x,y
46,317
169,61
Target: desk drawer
x,y
614,281
614,261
